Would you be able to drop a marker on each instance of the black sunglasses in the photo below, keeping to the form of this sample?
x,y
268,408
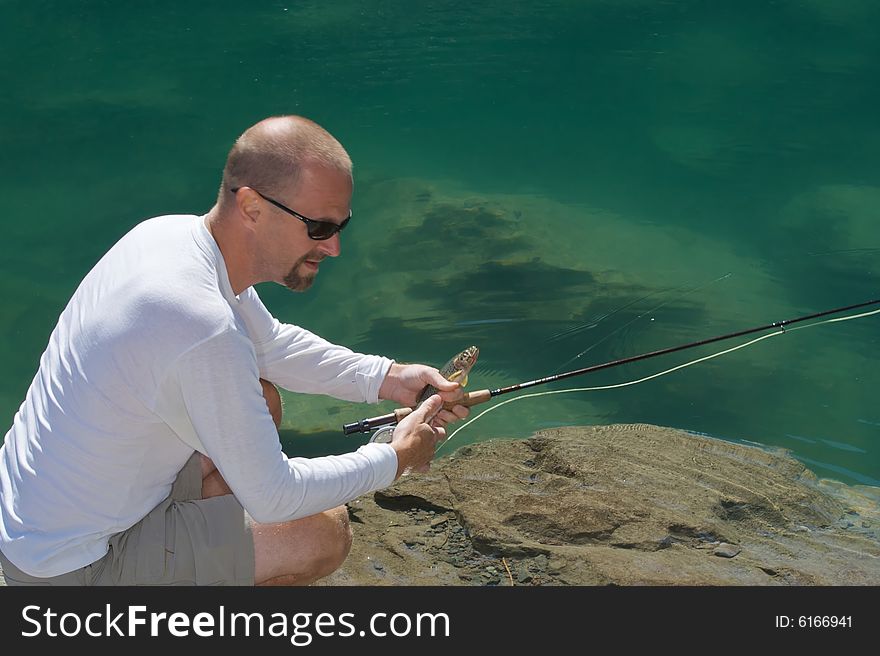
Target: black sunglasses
x,y
318,230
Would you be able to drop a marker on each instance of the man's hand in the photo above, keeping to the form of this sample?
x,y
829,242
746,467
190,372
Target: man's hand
x,y
404,383
415,440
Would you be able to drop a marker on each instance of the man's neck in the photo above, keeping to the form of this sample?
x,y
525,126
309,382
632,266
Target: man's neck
x,y
237,268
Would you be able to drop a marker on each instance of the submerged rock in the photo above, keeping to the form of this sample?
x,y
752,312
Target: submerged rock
x,y
621,504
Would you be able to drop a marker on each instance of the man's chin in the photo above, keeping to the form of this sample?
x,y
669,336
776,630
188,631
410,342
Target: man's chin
x,y
296,283
301,276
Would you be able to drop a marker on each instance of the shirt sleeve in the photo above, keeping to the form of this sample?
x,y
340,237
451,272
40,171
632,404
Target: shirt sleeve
x,y
218,382
301,361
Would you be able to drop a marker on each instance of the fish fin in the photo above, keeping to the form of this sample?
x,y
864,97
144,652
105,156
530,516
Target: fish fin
x,y
456,375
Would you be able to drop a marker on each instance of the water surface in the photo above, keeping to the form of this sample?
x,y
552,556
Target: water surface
x,y
559,183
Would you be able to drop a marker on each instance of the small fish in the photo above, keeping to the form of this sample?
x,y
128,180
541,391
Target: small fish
x,y
457,370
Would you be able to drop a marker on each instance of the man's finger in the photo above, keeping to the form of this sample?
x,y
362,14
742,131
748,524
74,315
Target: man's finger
x,y
429,407
446,417
452,396
460,411
438,381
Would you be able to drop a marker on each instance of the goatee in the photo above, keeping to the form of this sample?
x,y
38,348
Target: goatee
x,y
299,282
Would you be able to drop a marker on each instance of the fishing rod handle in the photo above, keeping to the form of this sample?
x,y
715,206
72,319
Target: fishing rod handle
x,y
366,425
471,398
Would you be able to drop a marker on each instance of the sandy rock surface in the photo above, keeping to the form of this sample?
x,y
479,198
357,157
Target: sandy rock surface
x,y
620,504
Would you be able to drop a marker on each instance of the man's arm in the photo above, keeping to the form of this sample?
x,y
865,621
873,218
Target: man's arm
x,y
219,385
300,361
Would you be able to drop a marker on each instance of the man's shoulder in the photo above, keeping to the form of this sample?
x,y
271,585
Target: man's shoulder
x,y
170,279
169,220
199,310
157,241
162,222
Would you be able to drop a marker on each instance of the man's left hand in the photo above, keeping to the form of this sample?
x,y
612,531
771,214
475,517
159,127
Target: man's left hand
x,y
404,383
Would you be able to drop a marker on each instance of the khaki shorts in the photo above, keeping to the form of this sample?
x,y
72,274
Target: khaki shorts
x,y
185,540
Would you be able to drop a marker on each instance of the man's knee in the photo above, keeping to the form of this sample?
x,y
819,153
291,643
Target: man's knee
x,y
337,538
302,551
273,400
213,484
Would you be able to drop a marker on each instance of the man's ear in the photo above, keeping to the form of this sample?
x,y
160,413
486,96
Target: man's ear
x,y
248,203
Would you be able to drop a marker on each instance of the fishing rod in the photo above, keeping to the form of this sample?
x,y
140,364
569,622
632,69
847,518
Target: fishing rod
x,y
481,396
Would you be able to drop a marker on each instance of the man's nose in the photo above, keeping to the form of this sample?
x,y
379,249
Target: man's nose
x,y
331,247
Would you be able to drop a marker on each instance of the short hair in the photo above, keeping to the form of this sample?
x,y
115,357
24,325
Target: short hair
x,y
271,155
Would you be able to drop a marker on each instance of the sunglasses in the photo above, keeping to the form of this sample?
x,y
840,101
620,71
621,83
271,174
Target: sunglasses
x,y
318,230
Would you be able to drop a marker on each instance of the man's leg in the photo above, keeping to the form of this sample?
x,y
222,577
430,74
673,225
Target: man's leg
x,y
290,553
302,551
213,484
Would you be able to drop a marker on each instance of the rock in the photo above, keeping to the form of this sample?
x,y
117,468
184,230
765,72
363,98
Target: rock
x,y
726,550
621,504
523,575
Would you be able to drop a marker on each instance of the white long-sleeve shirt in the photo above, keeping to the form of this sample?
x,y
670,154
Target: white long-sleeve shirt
x,y
155,357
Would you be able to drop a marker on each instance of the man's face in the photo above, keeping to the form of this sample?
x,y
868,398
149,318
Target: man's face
x,y
322,195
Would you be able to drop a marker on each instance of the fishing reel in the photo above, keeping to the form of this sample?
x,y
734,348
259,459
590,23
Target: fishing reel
x,y
383,435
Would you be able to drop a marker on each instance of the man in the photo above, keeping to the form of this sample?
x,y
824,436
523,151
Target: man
x,y
145,451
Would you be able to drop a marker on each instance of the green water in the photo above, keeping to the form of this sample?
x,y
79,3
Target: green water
x,y
646,173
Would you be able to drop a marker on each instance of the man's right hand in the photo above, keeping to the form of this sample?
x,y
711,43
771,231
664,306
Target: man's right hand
x,y
415,440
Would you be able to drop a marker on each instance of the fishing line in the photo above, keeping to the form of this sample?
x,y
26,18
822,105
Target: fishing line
x,y
481,396
602,317
662,373
651,311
